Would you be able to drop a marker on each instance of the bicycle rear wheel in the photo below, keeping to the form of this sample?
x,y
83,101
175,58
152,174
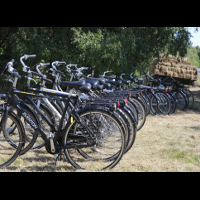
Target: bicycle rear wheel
x,y
190,96
141,113
181,101
110,144
164,103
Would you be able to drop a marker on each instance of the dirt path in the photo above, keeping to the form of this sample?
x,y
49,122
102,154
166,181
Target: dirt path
x,y
165,143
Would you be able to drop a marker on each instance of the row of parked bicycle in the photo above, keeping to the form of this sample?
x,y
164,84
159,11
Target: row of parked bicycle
x,y
92,124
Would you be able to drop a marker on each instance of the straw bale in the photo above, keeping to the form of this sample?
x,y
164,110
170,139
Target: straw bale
x,y
167,64
177,70
156,71
195,72
188,76
180,76
169,60
175,74
173,64
185,60
192,77
156,67
189,68
189,71
169,56
169,73
183,66
185,75
183,70
194,68
163,68
188,63
179,59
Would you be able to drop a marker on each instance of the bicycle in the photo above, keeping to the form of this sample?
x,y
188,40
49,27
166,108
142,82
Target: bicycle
x,y
80,132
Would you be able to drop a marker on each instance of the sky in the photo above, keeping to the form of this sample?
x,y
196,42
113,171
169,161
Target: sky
x,y
196,37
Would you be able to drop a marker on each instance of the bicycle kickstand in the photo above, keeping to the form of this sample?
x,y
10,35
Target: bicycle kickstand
x,y
60,156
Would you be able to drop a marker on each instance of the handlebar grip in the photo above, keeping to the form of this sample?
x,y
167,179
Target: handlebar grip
x,y
47,80
45,64
84,68
37,74
72,65
60,73
16,74
29,56
75,71
61,63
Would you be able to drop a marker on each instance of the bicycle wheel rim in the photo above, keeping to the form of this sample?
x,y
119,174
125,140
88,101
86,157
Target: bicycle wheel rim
x,y
12,140
94,161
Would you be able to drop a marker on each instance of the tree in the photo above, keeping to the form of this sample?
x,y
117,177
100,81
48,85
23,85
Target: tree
x,y
121,49
192,55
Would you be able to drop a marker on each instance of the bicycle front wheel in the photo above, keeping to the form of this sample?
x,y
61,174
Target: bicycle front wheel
x,y
110,141
12,139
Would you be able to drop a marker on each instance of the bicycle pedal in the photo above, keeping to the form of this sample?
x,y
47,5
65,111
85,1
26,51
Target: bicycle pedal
x,y
61,157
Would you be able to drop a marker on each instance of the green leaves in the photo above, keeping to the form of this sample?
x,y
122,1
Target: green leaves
x,y
119,49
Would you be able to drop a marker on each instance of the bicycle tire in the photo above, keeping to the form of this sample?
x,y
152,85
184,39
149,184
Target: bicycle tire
x,y
141,113
11,142
164,103
84,162
181,101
190,96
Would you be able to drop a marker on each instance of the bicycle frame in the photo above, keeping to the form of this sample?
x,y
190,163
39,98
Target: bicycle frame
x,y
45,137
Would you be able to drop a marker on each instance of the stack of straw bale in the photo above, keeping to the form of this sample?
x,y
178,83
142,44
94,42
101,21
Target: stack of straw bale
x,y
172,66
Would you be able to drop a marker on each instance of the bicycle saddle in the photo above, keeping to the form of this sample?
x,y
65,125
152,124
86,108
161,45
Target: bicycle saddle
x,y
94,83
74,84
131,79
85,88
107,86
2,96
109,77
101,80
126,82
99,87
115,83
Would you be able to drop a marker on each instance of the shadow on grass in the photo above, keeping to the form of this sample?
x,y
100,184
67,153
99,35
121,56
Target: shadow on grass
x,y
39,161
195,127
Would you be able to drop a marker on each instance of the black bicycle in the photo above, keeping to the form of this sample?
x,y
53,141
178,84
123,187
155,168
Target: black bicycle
x,y
87,141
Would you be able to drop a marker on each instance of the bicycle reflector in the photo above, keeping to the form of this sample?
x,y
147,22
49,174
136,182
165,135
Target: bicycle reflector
x,y
129,95
125,101
166,91
118,104
145,90
170,91
140,92
151,90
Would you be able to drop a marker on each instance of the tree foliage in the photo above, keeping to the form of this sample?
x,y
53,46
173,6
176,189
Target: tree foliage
x,y
120,49
192,55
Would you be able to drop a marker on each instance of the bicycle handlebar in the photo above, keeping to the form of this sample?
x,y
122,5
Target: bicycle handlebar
x,y
29,56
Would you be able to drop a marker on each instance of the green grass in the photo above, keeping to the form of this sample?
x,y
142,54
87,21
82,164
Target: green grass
x,y
184,155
